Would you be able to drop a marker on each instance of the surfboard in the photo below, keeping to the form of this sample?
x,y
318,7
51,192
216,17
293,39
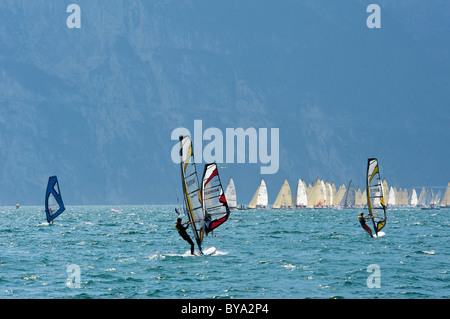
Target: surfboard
x,y
210,251
380,234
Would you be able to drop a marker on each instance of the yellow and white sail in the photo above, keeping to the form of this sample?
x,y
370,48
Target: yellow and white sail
x,y
284,198
260,199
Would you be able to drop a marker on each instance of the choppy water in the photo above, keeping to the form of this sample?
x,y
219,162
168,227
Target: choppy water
x,y
260,254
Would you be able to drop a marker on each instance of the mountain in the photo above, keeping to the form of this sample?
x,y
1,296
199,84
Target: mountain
x,y
97,105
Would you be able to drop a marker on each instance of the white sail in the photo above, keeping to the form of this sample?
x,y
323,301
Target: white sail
x,y
261,198
348,200
230,194
330,195
422,197
445,202
391,197
412,198
324,191
301,199
284,198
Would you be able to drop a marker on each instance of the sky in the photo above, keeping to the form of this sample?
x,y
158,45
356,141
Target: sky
x,y
97,104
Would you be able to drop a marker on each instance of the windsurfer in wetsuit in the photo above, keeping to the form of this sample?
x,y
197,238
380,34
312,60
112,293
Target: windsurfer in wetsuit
x,y
182,232
362,221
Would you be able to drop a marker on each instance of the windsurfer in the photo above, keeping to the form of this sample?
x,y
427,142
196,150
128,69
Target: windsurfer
x,y
362,221
208,224
182,232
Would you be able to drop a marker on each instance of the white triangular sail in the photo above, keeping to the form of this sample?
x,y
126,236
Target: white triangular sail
x,y
422,197
349,198
260,199
391,197
412,198
230,194
301,199
445,202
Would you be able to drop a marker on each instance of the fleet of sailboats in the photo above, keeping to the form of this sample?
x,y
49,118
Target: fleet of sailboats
x,y
323,194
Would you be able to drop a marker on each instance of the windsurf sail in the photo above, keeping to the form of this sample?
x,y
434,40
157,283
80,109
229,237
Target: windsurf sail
x,y
54,205
375,195
191,190
214,201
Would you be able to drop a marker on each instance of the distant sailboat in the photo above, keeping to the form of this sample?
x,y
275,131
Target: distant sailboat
x,y
230,194
422,198
330,195
301,198
339,194
348,200
317,197
445,202
284,198
412,201
391,197
260,199
54,205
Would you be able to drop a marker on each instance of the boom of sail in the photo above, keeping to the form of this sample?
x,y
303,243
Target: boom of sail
x,y
54,205
375,195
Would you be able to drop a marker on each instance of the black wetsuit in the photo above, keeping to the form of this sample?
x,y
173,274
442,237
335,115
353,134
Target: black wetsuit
x,y
182,231
362,220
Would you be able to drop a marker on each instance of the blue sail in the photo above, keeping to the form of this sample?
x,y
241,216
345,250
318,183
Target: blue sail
x,y
54,205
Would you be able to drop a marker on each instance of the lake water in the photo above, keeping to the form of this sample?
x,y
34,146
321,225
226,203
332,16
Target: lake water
x,y
94,252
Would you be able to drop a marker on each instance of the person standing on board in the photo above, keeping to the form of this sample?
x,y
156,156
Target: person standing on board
x,y
362,221
182,232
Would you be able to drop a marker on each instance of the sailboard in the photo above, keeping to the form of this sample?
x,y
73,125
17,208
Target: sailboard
x,y
191,190
375,196
54,205
214,202
209,251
